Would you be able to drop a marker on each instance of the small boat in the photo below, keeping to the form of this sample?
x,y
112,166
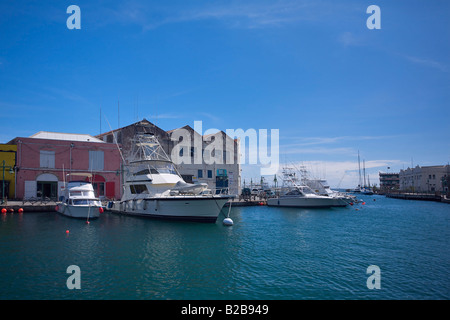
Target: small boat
x,y
79,201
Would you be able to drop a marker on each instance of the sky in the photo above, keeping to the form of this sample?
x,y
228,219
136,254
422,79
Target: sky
x,y
311,69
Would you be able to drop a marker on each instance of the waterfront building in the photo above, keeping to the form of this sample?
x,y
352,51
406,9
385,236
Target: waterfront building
x,y
211,159
389,181
45,158
424,179
8,154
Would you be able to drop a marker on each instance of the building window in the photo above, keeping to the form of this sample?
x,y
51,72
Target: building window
x,y
96,160
47,159
200,174
209,173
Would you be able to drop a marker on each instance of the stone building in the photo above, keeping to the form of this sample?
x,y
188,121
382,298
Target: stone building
x,y
424,179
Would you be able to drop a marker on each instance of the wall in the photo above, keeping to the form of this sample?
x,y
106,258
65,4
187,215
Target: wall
x,y
8,154
69,157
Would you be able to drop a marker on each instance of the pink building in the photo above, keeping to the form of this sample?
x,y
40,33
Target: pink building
x,y
46,157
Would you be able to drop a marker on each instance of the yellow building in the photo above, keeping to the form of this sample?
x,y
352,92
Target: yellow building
x,y
8,153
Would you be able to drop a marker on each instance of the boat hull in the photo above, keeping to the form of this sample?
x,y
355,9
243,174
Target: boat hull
x,y
306,202
198,209
81,212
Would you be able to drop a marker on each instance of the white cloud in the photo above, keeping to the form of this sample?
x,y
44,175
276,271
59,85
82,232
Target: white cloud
x,y
348,39
427,63
240,14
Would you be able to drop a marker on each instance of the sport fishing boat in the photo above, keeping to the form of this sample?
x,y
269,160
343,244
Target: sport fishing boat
x,y
302,196
154,188
79,201
321,187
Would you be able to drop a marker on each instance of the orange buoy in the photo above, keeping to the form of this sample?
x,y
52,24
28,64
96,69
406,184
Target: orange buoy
x,y
20,210
100,210
67,231
11,210
363,203
3,210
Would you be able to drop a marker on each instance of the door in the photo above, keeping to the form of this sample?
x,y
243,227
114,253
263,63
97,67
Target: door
x,y
47,189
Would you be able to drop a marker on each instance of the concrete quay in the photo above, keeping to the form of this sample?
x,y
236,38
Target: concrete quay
x,y
415,196
245,203
29,206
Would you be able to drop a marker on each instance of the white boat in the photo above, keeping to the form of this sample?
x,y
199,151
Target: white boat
x,y
79,201
304,197
153,188
301,196
322,188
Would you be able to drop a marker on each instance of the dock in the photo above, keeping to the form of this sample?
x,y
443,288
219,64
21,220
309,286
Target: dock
x,y
415,196
246,203
29,206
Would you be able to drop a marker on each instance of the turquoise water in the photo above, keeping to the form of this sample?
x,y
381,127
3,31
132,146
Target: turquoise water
x,y
269,253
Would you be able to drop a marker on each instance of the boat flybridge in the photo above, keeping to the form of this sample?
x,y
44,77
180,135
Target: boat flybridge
x,y
152,187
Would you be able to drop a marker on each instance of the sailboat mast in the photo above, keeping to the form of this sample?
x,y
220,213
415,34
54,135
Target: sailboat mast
x,y
364,172
359,170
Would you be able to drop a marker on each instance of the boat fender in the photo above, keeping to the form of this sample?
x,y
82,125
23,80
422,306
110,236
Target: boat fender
x,y
227,222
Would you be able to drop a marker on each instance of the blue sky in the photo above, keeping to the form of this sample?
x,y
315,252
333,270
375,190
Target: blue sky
x,y
311,69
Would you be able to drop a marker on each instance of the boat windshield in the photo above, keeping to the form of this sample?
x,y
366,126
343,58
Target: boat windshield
x,y
84,202
165,167
294,192
307,190
153,167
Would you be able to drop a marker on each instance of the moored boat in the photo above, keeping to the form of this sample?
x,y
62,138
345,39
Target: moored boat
x,y
79,201
153,188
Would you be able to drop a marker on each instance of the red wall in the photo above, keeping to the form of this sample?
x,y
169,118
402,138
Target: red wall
x,y
28,161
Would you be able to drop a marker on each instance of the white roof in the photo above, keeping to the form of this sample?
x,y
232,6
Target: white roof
x,y
65,136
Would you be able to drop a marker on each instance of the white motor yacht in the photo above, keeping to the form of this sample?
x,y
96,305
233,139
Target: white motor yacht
x,y
153,188
79,201
302,196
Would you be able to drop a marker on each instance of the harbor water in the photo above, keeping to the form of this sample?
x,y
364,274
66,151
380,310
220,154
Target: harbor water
x,y
269,253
